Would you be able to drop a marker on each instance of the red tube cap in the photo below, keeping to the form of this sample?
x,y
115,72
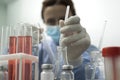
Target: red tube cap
x,y
111,51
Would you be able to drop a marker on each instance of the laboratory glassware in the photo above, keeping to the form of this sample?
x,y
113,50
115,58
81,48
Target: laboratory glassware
x,y
63,51
90,68
12,50
47,73
4,40
2,75
1,40
60,60
67,73
24,45
94,70
28,50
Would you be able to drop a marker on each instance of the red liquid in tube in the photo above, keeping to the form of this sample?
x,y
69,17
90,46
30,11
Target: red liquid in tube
x,y
28,63
20,45
25,46
20,49
11,63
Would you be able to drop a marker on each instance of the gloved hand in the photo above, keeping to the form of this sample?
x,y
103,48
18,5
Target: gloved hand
x,y
75,37
35,32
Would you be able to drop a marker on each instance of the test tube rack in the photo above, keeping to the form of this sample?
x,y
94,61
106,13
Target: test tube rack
x,y
5,58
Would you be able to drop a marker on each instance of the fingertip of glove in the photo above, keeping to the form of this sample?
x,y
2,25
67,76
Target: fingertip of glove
x,y
72,20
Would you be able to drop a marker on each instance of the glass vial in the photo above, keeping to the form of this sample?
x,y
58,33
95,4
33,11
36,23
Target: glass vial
x,y
67,73
47,73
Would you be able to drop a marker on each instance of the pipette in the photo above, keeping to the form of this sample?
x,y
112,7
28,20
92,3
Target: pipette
x,y
67,12
65,47
102,35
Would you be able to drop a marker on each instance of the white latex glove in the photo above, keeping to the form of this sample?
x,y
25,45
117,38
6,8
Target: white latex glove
x,y
75,37
36,32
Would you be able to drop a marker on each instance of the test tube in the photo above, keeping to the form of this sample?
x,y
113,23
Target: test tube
x,y
1,41
4,40
28,50
12,50
24,45
19,48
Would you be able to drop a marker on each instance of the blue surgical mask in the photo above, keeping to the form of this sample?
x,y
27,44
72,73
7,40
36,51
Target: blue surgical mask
x,y
54,32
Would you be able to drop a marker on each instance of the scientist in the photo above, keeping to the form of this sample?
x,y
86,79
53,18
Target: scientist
x,y
74,37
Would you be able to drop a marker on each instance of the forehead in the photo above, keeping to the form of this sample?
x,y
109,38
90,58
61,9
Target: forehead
x,y
55,11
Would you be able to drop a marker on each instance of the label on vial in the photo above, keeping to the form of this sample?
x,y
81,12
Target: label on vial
x,y
47,76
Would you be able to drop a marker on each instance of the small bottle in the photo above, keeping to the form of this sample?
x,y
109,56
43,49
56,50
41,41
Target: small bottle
x,y
67,73
47,73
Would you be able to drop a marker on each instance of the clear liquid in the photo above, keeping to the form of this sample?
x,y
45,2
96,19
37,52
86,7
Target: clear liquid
x,y
67,75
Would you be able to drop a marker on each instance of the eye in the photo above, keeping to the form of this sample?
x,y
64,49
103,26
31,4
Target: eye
x,y
51,21
61,18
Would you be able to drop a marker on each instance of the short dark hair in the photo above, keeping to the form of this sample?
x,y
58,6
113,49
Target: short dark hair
x,y
47,3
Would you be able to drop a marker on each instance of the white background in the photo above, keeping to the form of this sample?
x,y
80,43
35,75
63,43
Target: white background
x,y
2,14
93,14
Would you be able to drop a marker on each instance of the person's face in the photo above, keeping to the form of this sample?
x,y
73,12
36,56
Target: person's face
x,y
53,14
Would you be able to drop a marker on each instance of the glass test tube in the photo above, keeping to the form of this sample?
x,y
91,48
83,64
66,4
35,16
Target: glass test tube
x,y
28,50
25,46
6,40
1,41
12,50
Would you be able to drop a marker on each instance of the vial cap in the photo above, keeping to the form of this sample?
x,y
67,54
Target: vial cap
x,y
47,66
111,51
67,67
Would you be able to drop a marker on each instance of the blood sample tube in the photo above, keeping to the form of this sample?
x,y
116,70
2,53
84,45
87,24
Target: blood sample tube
x,y
11,63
